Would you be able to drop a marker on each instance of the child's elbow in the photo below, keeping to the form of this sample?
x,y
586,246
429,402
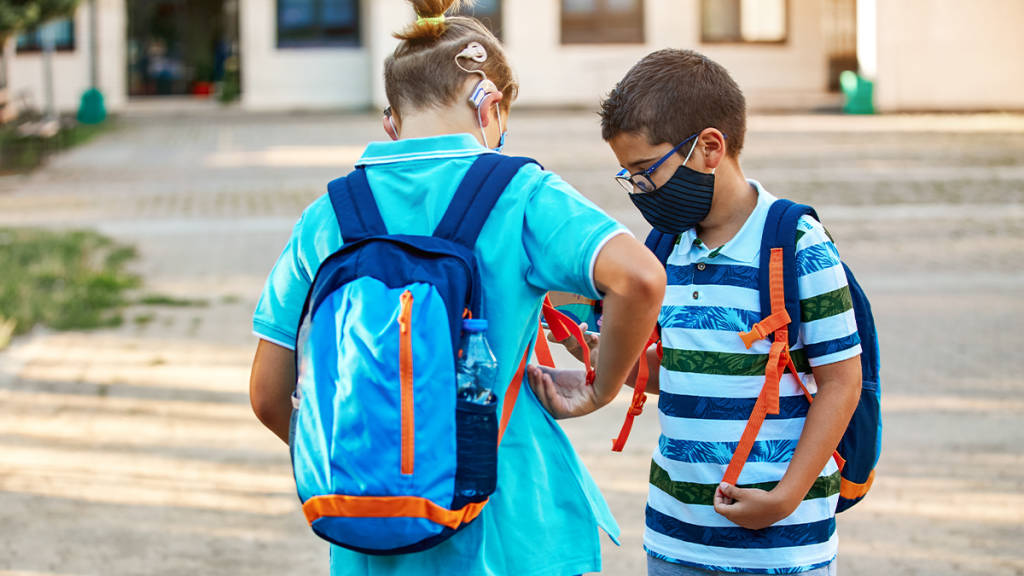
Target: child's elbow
x,y
648,284
262,406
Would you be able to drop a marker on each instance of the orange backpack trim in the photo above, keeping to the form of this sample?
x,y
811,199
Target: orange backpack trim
x,y
854,491
406,376
341,506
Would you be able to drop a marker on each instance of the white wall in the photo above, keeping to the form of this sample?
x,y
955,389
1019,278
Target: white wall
x,y
297,78
793,74
71,69
950,55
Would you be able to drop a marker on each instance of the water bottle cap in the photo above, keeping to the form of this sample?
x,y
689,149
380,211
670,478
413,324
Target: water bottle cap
x,y
475,325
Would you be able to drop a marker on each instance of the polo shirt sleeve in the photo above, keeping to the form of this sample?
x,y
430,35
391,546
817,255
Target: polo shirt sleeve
x,y
277,314
563,234
828,326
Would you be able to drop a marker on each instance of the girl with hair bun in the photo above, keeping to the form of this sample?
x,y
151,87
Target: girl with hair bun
x,y
450,87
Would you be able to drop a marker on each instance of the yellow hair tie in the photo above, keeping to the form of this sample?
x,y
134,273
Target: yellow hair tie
x,y
432,20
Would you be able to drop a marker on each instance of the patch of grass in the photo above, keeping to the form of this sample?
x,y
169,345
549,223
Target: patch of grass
x,y
24,153
6,331
64,280
163,300
143,320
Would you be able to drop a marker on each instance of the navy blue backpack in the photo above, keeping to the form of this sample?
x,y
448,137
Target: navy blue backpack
x,y
386,459
862,443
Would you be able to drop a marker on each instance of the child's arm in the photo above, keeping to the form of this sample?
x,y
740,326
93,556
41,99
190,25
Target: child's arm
x,y
839,387
271,385
594,341
633,282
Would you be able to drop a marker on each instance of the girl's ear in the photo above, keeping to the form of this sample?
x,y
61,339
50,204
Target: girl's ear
x,y
389,127
488,105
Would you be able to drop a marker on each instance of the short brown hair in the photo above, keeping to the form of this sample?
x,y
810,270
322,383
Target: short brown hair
x,y
672,94
422,72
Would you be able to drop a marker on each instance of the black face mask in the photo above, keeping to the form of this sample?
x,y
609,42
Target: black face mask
x,y
682,203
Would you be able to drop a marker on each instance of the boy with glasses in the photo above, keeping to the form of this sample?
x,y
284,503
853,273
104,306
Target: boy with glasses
x,y
667,122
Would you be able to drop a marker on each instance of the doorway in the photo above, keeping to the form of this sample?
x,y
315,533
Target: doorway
x,y
840,30
182,47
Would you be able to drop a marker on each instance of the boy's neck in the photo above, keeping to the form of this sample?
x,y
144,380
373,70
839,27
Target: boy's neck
x,y
733,202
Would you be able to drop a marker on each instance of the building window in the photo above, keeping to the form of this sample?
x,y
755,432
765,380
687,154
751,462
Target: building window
x,y
487,12
305,23
744,21
602,21
64,37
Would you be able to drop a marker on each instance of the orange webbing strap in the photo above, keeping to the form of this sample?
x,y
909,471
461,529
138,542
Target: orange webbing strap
x,y
562,327
767,403
510,396
762,329
778,359
543,350
636,406
341,506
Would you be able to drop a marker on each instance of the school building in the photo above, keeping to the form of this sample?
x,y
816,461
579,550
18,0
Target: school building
x,y
940,55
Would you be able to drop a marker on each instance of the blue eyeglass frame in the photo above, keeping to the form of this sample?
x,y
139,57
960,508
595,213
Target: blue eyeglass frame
x,y
626,180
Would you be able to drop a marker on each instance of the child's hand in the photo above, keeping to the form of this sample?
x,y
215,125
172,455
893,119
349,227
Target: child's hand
x,y
564,393
752,508
573,345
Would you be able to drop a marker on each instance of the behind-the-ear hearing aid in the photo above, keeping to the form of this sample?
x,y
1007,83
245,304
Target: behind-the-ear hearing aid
x,y
391,121
476,52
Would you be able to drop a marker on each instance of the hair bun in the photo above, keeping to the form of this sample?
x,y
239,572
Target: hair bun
x,y
435,8
430,30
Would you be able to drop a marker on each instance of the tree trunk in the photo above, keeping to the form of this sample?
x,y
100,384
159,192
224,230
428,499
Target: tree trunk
x,y
48,33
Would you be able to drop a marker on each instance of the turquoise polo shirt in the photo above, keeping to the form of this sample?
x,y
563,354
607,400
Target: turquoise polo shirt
x,y
542,235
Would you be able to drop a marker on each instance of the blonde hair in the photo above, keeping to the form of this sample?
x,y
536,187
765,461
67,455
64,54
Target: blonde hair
x,y
422,72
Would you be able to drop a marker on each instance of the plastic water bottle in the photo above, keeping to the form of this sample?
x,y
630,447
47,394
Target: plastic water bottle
x,y
477,368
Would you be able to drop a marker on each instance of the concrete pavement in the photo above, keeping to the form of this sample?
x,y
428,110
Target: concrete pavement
x,y
133,451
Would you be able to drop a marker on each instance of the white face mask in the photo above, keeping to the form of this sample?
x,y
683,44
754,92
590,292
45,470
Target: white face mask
x,y
501,141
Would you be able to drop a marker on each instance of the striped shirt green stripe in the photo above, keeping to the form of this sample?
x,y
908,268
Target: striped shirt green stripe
x,y
704,494
725,363
826,305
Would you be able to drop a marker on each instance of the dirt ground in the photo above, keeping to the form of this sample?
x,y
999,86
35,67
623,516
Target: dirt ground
x,y
133,451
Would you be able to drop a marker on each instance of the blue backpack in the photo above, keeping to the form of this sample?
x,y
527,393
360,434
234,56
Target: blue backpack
x,y
862,443
386,461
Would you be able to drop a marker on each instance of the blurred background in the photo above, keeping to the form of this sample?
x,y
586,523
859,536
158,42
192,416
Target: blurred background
x,y
155,154
314,54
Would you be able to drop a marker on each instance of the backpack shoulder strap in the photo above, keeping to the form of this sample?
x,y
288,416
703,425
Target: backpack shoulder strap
x,y
780,232
661,244
476,196
354,207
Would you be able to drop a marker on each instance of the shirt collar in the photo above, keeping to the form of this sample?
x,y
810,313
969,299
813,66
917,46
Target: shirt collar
x,y
745,246
434,147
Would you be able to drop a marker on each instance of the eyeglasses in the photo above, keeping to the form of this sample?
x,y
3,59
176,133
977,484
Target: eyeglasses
x,y
642,180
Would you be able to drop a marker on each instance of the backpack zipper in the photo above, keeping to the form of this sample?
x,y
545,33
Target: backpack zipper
x,y
405,371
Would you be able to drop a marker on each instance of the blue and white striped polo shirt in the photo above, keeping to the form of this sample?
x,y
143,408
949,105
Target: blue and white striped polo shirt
x,y
709,383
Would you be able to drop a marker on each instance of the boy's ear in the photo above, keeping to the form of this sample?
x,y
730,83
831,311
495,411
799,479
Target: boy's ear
x,y
712,147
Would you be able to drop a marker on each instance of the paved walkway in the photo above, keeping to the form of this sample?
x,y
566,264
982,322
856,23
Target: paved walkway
x,y
134,452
